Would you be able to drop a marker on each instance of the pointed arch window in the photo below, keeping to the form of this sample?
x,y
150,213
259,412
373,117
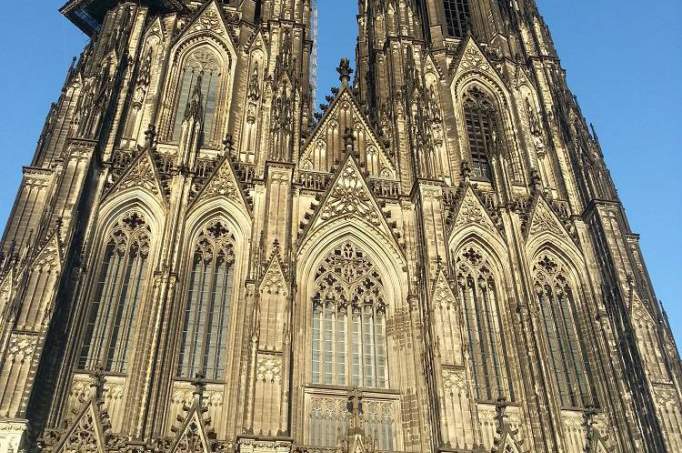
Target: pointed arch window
x,y
205,328
349,323
557,309
457,17
481,123
479,292
197,92
117,294
349,347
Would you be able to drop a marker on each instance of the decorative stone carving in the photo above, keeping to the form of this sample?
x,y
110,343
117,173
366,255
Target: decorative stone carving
x,y
268,368
543,220
350,196
140,174
22,345
454,380
274,281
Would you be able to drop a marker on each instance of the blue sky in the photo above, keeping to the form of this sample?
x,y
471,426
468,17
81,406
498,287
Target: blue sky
x,y
624,63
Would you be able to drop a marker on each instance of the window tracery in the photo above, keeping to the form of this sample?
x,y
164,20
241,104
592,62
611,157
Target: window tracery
x,y
479,292
349,346
557,310
457,17
206,322
200,73
118,291
349,325
482,129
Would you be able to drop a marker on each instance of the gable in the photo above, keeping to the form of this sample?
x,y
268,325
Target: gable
x,y
471,61
543,220
274,282
141,174
349,197
442,292
209,19
85,435
470,212
326,145
223,183
193,437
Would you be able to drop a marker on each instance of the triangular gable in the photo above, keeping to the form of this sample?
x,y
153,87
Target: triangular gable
x,y
256,41
597,443
472,59
141,173
209,19
543,220
470,212
506,442
6,294
442,292
509,446
223,183
274,281
50,252
431,66
638,310
349,196
86,434
344,112
156,28
193,437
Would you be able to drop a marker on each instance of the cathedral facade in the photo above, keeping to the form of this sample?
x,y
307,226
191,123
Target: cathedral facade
x,y
435,260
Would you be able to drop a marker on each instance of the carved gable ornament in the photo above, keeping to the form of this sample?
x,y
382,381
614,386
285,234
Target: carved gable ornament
x,y
193,437
209,19
470,212
349,197
442,294
543,221
326,145
274,282
223,183
86,435
507,443
142,174
472,59
50,254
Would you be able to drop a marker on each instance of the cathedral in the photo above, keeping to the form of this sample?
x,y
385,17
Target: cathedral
x,y
436,259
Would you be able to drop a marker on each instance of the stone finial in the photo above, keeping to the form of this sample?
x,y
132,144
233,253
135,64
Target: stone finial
x,y
199,384
466,170
535,181
150,136
97,382
344,71
355,409
501,412
228,144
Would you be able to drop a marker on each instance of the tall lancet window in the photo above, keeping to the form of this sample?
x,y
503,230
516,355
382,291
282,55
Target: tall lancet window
x,y
349,325
480,119
349,346
205,328
457,17
557,308
480,295
116,296
200,75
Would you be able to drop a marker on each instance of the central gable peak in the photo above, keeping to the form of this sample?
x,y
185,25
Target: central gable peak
x,y
327,144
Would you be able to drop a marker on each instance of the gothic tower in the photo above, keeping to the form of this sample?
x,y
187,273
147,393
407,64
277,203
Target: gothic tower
x,y
437,261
